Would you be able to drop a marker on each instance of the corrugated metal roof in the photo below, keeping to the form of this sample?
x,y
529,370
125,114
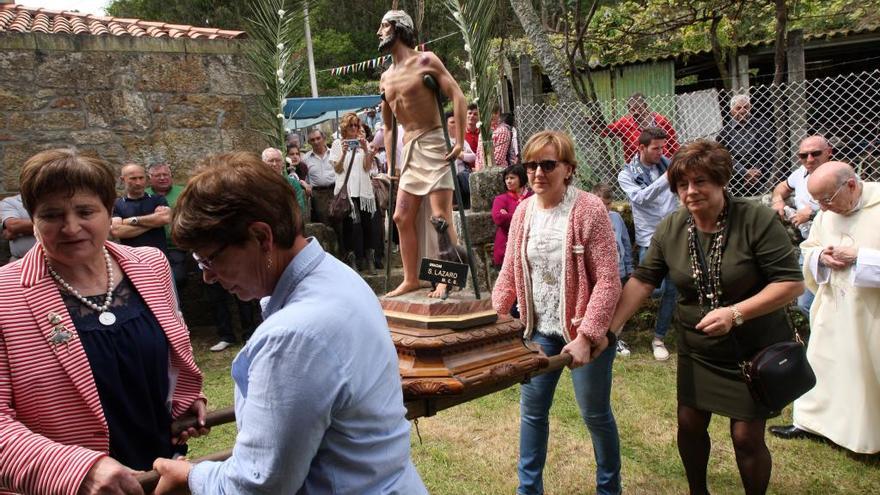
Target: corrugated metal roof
x,y
755,45
22,19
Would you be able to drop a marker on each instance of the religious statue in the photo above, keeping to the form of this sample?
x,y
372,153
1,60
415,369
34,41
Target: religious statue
x,y
425,171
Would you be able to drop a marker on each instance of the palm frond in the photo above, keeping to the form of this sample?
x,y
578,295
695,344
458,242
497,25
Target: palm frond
x,y
474,18
275,28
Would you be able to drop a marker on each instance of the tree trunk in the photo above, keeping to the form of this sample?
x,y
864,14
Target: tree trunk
x,y
781,28
719,53
552,66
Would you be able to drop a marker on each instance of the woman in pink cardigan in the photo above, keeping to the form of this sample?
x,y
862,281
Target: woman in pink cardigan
x,y
561,265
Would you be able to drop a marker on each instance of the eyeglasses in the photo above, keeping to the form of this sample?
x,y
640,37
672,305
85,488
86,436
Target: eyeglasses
x,y
814,154
546,165
207,263
829,201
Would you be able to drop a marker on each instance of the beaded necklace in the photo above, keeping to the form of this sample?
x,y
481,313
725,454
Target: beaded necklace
x,y
706,270
105,316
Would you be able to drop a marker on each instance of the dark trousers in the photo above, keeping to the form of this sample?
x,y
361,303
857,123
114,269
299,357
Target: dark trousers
x,y
177,259
361,235
219,300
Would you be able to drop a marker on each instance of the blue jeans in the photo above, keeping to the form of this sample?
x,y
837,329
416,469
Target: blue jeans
x,y
666,292
592,388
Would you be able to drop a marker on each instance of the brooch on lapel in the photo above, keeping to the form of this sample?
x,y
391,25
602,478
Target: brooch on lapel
x,y
60,334
577,249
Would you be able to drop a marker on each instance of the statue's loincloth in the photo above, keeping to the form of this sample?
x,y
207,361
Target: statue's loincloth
x,y
425,168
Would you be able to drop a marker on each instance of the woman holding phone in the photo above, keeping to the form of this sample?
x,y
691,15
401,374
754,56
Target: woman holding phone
x,y
357,229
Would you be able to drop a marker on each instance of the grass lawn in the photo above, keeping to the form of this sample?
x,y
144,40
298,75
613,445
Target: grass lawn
x,y
472,448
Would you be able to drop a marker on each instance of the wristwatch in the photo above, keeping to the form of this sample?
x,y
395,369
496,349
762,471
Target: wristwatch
x,y
737,315
133,221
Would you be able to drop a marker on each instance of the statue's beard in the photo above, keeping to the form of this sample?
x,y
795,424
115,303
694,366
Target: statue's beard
x,y
387,42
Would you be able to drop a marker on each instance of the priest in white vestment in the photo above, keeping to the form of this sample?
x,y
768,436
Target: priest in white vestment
x,y
842,267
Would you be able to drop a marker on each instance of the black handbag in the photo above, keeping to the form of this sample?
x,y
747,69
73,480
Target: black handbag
x,y
779,373
340,205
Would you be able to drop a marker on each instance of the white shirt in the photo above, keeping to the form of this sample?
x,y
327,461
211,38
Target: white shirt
x,y
797,181
544,252
321,173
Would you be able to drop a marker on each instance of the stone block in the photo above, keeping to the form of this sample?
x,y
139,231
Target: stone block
x,y
92,137
182,147
82,70
11,99
485,185
242,140
230,74
14,156
117,110
45,121
16,65
205,110
65,103
171,73
481,228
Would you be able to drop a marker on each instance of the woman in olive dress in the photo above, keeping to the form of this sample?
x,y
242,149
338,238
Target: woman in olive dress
x,y
736,270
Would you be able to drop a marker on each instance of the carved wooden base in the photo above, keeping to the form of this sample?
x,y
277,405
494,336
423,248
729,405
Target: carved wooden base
x,y
472,348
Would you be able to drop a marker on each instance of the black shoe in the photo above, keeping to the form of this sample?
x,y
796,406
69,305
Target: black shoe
x,y
377,263
789,432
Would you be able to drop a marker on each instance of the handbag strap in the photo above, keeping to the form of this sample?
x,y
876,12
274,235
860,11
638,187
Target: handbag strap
x,y
701,259
348,172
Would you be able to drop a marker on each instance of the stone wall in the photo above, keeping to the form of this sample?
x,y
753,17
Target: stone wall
x,y
125,98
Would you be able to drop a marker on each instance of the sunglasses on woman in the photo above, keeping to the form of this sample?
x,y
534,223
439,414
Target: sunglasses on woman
x,y
546,165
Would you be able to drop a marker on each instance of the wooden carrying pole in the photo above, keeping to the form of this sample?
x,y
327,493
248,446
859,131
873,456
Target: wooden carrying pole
x,y
417,408
431,83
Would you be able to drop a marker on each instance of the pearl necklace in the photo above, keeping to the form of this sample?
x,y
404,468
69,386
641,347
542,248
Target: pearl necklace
x,y
707,279
105,316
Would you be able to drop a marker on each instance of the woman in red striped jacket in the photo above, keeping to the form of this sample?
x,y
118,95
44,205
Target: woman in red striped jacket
x,y
95,359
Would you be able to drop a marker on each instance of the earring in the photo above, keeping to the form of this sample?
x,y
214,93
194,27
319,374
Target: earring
x,y
269,263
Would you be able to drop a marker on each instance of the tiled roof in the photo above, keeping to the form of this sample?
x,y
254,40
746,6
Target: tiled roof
x,y
21,19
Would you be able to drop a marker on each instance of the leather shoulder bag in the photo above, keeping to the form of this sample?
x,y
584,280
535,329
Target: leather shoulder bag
x,y
340,205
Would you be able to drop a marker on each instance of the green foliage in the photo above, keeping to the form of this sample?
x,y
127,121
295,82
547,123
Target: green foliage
x,y
226,14
473,19
275,28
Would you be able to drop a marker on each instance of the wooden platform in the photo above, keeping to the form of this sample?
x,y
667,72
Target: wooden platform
x,y
457,346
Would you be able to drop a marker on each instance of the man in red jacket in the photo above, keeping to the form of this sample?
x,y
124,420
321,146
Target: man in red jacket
x,y
628,127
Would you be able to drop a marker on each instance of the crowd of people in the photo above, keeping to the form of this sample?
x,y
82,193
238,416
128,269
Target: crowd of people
x,y
96,361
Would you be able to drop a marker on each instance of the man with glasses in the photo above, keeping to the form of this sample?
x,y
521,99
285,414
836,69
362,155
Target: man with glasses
x,y
842,265
321,177
644,181
812,152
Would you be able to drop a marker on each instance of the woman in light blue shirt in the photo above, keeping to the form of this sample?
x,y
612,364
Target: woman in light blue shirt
x,y
318,401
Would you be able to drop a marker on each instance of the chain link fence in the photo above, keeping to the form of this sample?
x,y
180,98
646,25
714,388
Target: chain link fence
x,y
845,109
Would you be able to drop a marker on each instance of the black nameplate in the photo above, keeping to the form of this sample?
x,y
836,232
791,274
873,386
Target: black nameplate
x,y
443,272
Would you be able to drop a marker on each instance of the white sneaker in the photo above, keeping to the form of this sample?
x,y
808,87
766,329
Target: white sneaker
x,y
622,349
220,346
660,352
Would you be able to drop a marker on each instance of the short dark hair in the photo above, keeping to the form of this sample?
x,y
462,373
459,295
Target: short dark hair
x,y
649,134
449,115
405,34
69,172
290,146
519,171
507,118
701,156
472,106
229,193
